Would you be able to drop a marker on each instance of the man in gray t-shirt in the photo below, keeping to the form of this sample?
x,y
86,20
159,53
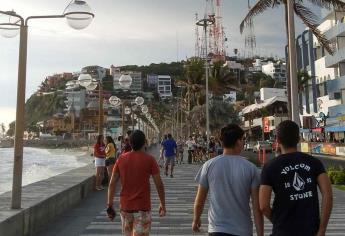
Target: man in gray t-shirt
x,y
231,182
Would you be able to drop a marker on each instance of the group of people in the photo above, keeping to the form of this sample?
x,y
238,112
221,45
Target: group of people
x,y
105,153
233,184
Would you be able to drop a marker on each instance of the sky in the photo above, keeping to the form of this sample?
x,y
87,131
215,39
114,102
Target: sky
x,y
136,32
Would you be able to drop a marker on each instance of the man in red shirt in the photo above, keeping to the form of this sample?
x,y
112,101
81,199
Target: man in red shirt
x,y
134,170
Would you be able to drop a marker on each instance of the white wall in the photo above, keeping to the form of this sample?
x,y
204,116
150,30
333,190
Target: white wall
x,y
267,93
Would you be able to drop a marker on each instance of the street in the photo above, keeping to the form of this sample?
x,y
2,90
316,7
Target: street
x,y
89,217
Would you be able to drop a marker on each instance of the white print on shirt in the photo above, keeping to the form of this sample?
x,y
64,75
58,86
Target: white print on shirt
x,y
298,182
286,169
297,196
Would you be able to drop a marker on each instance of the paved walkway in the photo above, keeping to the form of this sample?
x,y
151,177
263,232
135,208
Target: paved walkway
x,y
89,217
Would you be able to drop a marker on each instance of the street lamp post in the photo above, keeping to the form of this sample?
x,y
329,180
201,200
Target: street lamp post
x,y
205,23
79,16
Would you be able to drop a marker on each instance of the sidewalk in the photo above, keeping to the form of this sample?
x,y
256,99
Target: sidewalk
x,y
89,217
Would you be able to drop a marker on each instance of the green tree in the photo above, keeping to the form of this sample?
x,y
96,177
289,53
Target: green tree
x,y
3,129
11,128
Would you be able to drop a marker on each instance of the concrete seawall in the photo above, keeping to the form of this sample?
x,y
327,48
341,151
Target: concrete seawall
x,y
43,201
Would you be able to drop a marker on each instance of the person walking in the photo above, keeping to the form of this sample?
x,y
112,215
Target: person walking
x,y
180,144
161,152
294,177
169,148
190,146
134,170
110,155
232,182
99,155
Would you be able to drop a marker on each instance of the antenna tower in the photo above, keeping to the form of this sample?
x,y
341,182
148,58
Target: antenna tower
x,y
250,39
216,35
197,38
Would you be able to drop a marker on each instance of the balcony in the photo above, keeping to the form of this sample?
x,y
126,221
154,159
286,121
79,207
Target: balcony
x,y
334,87
332,61
333,32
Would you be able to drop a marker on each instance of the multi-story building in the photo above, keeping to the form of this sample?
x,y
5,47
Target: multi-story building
x,y
96,72
276,70
152,81
116,73
261,119
164,86
75,99
137,82
323,98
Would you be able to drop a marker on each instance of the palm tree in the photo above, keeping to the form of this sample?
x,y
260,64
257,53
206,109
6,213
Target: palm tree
x,y
304,13
303,80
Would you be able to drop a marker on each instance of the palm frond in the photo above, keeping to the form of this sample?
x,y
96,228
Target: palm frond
x,y
311,20
337,4
258,8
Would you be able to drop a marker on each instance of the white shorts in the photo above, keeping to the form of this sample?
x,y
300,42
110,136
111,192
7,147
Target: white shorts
x,y
99,162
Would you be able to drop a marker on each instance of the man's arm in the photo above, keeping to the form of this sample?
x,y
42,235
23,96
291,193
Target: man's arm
x,y
265,201
111,188
160,190
258,218
326,203
199,207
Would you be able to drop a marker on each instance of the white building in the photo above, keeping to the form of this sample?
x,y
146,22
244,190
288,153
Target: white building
x,y
324,96
75,100
276,70
96,72
137,80
164,86
266,93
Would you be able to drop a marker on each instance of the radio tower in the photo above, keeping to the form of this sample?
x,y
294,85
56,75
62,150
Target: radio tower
x,y
216,35
197,38
250,39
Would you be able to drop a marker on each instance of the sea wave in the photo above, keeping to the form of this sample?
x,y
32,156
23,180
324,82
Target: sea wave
x,y
39,164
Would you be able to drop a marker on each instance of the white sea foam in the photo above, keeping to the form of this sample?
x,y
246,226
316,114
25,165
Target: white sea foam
x,y
39,164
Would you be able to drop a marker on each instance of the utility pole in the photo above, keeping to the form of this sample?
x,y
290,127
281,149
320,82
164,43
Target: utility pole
x,y
292,63
100,115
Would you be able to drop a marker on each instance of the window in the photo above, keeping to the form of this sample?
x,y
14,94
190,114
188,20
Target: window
x,y
272,122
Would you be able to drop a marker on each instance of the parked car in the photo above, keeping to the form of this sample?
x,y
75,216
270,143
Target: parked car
x,y
249,146
260,145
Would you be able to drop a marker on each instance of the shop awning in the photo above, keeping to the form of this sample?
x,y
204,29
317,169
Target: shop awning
x,y
337,128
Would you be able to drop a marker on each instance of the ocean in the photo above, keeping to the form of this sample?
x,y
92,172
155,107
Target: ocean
x,y
40,164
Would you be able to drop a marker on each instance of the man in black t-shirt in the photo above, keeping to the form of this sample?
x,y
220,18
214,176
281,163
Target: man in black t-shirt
x,y
294,178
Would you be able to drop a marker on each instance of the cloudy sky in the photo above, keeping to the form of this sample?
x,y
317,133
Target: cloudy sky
x,y
123,32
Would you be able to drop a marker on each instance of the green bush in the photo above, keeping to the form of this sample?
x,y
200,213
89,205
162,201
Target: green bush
x,y
339,178
336,175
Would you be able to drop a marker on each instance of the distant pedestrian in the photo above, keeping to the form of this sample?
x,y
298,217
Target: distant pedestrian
x,y
180,150
99,155
233,182
134,170
294,178
169,147
110,154
212,148
161,152
126,147
191,144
